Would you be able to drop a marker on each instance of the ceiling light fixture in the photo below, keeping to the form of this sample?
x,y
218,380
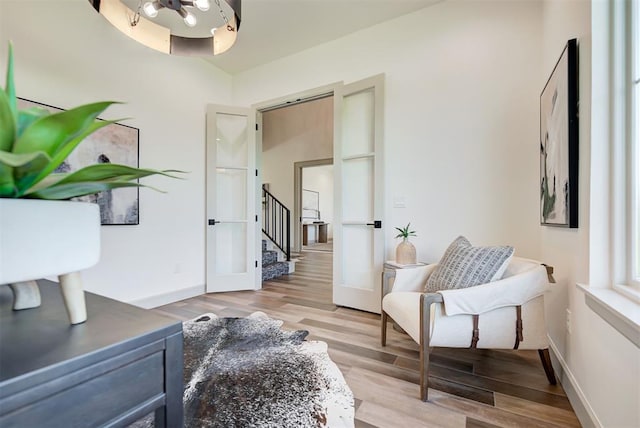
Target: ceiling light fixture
x,y
151,8
161,38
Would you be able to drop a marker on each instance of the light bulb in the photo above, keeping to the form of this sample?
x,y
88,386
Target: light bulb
x,y
151,9
203,5
213,31
190,20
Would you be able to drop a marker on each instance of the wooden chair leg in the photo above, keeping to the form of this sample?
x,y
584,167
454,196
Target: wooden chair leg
x,y
546,364
383,329
424,373
426,300
425,318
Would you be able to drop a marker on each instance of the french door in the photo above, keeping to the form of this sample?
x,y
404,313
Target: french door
x,y
231,199
358,191
232,236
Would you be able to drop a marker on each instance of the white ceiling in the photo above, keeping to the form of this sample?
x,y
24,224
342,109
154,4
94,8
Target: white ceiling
x,y
272,29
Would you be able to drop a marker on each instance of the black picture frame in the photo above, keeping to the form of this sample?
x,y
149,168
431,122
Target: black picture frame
x,y
115,143
559,143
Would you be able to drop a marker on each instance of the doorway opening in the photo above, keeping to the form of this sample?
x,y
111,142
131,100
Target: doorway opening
x,y
299,135
314,199
351,131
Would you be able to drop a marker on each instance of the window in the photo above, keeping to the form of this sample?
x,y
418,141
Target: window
x,y
626,147
634,146
613,291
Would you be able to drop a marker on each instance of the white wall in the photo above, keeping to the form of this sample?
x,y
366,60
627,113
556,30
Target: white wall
x,y
320,179
66,54
461,116
603,365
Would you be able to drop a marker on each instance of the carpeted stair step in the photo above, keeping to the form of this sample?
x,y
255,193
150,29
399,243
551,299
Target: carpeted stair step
x,y
269,257
274,270
271,267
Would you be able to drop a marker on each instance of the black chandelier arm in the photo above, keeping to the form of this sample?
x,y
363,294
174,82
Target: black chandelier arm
x,y
236,6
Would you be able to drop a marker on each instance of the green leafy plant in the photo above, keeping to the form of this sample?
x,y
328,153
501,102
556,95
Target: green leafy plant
x,y
405,232
34,142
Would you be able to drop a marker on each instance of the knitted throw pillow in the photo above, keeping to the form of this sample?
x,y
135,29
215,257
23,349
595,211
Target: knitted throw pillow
x,y
464,265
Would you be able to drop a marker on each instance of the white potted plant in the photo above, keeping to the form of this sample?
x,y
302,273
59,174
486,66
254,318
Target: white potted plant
x,y
42,232
405,251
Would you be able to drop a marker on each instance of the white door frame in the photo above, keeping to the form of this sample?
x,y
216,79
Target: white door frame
x,y
297,197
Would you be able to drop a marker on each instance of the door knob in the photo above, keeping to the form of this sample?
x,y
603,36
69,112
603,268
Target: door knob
x,y
212,222
377,224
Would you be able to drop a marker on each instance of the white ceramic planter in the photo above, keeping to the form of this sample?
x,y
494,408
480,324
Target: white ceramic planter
x,y
48,238
406,253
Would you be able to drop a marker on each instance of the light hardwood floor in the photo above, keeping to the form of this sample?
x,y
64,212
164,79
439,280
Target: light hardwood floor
x,y
468,388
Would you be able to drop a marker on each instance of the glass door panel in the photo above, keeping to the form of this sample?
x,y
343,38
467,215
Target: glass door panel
x,y
231,231
358,113
357,258
231,248
231,194
358,185
231,140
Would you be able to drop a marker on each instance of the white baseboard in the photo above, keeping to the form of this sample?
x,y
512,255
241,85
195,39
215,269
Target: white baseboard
x,y
170,297
578,400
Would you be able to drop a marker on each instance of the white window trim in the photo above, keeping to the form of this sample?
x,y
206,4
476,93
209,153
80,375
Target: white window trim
x,y
624,147
633,184
611,292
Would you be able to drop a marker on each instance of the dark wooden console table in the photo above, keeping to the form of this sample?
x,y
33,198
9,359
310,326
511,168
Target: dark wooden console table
x,y
122,364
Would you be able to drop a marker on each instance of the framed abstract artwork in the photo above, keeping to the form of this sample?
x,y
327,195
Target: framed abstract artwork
x,y
559,149
115,143
310,204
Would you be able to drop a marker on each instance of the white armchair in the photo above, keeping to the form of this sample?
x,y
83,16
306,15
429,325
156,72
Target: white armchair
x,y
504,314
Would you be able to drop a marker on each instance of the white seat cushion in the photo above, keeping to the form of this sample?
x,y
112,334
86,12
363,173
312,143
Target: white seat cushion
x,y
404,308
497,327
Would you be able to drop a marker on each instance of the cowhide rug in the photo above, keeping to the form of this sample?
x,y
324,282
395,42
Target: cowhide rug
x,y
248,372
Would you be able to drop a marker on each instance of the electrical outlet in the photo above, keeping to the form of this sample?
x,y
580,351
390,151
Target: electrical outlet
x,y
568,321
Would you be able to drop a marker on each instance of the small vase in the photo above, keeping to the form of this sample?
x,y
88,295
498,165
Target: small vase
x,y
405,253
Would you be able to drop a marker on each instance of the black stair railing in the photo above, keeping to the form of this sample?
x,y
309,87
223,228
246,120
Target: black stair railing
x,y
276,222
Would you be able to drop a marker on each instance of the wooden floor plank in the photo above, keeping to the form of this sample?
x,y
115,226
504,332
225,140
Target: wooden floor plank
x,y
469,388
381,417
560,417
499,386
474,423
483,412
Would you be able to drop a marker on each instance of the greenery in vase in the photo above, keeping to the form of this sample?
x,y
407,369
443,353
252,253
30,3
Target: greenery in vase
x,y
405,232
34,142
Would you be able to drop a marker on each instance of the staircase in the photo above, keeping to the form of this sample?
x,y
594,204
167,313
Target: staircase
x,y
271,267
